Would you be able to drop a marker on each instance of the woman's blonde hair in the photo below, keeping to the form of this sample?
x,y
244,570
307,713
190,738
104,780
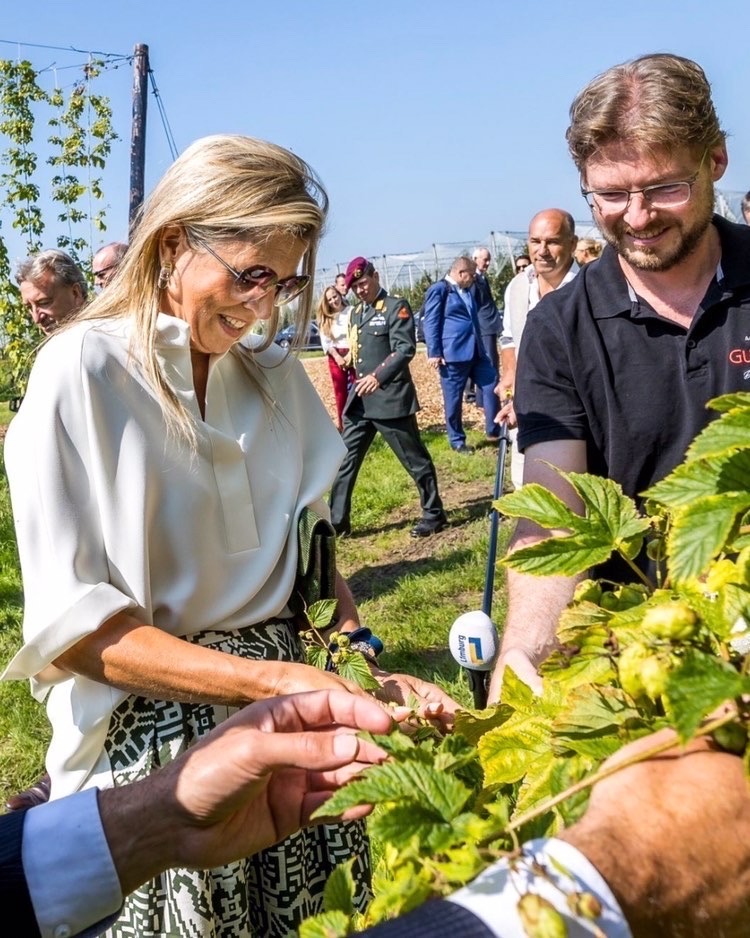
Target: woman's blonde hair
x,y
325,314
223,187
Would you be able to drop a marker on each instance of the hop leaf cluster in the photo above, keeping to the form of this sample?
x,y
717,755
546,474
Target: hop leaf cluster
x,y
667,649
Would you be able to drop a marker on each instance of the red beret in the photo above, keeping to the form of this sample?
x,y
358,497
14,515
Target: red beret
x,y
356,269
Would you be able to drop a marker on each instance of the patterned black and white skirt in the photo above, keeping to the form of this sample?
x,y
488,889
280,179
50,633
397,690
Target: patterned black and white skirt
x,y
266,895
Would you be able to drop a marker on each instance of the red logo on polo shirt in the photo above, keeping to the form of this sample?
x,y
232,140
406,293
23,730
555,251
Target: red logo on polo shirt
x,y
739,356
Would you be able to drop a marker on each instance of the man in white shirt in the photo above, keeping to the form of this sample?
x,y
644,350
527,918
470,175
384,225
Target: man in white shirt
x,y
552,243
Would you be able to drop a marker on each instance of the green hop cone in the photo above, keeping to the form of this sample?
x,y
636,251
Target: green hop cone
x,y
585,905
732,737
655,549
629,665
539,918
587,591
610,601
673,620
654,675
630,596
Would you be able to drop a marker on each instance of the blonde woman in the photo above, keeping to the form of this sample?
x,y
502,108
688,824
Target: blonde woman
x,y
159,466
333,322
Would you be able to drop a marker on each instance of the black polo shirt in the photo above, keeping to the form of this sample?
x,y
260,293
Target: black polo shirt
x,y
598,364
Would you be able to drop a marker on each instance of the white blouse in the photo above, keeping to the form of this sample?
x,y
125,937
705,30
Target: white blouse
x,y
339,331
111,513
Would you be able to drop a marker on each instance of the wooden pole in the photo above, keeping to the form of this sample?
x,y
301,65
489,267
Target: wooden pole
x,y
138,134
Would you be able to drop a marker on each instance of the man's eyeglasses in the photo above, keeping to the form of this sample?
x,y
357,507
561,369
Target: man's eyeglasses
x,y
520,267
662,195
259,280
104,270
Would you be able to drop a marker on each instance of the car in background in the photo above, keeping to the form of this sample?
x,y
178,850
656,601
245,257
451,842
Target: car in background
x,y
288,337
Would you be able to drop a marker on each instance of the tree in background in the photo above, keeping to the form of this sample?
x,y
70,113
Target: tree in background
x,y
80,135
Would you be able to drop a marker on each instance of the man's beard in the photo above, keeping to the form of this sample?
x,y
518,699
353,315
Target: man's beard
x,y
643,258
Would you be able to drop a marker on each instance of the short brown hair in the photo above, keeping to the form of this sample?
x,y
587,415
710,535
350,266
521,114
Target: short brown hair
x,y
657,101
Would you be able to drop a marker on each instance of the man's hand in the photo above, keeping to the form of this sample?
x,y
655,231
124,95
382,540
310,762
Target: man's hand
x,y
253,781
435,362
367,385
671,836
507,413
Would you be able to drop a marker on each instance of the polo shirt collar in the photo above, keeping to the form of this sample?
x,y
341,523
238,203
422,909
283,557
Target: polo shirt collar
x,y
609,291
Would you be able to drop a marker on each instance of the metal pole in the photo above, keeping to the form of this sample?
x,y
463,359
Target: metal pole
x,y
478,679
138,133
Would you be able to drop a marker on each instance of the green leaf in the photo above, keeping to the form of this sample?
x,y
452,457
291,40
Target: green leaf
x,y
326,925
703,477
538,504
700,531
698,687
338,893
509,752
560,556
590,724
740,400
320,614
582,669
405,782
398,824
473,724
316,656
730,432
352,666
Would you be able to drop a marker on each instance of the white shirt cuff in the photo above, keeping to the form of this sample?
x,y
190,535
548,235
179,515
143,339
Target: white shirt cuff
x,y
69,870
493,896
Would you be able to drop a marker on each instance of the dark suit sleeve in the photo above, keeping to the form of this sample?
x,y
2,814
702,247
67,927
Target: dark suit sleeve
x,y
432,318
14,893
433,919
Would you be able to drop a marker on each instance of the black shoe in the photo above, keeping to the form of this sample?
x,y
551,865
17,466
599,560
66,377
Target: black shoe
x,y
463,449
470,399
31,797
342,529
492,438
426,526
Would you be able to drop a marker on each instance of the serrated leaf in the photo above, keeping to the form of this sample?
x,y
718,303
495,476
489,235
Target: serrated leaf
x,y
590,724
738,400
461,865
607,507
353,667
538,504
698,687
699,532
316,656
399,824
508,752
338,893
561,556
702,477
404,782
583,669
730,432
565,773
326,925
320,613
535,787
473,724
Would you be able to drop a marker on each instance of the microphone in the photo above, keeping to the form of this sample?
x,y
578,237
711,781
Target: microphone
x,y
473,641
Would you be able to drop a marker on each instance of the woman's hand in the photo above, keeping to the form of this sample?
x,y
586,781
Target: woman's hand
x,y
434,703
296,678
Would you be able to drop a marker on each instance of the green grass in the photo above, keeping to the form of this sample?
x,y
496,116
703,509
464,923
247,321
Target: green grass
x,y
408,592
24,731
412,603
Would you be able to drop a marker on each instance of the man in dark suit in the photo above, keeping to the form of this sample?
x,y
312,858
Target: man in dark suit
x,y
489,316
383,399
456,349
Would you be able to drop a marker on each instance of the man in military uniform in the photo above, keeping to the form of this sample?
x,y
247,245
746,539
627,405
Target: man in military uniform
x,y
383,399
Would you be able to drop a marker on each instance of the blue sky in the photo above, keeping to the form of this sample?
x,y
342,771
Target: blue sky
x,y
428,120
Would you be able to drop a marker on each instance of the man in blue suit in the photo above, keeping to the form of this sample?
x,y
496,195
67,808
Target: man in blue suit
x,y
456,349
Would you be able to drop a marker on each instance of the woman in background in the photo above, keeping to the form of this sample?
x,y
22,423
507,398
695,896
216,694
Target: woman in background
x,y
333,322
